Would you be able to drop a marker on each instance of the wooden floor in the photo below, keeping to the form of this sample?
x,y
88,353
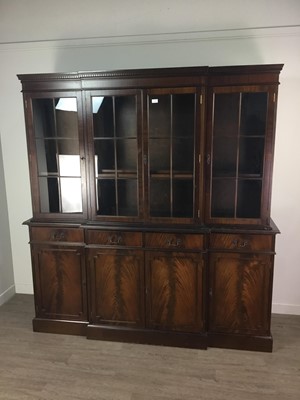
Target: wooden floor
x,y
57,367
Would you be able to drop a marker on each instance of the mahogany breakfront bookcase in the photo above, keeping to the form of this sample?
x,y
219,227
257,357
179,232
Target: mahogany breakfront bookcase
x,y
151,204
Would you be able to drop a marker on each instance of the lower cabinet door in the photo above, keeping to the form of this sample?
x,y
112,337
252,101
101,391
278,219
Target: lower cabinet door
x,y
60,282
116,279
240,293
175,287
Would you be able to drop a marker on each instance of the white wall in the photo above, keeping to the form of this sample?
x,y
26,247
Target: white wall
x,y
7,286
73,35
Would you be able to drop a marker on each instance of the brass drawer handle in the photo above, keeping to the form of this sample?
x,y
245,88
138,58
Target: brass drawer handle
x,y
240,243
114,240
173,242
58,235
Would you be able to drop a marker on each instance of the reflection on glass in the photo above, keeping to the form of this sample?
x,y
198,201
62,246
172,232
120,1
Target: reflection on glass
x,y
67,104
46,156
97,101
70,195
49,195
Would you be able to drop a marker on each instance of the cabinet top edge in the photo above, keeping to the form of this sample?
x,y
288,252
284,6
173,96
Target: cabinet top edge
x,y
153,72
192,229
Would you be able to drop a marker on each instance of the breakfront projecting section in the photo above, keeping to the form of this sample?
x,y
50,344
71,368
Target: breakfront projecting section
x,y
151,194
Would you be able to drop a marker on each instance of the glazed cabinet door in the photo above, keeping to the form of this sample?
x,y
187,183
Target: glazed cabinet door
x,y
171,154
240,293
56,154
115,148
239,154
60,282
116,279
175,287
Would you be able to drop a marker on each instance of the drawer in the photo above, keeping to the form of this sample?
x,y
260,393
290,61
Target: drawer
x,y
114,238
175,241
241,242
42,234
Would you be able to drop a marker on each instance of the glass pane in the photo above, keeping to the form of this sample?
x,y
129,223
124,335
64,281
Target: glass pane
x,y
57,144
126,116
106,199
183,115
127,154
159,150
105,155
251,156
68,146
160,198
127,197
43,118
46,156
224,157
49,195
249,198
70,195
66,104
69,165
254,113
103,116
159,116
66,119
226,114
223,198
183,155
183,198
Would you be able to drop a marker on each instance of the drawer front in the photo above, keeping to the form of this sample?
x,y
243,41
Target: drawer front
x,y
175,241
42,234
114,238
241,242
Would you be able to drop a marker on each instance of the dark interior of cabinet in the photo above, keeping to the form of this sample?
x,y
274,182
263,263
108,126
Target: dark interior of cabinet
x,y
238,142
171,135
115,121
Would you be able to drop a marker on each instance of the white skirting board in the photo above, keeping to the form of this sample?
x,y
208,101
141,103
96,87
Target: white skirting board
x,y
24,288
7,294
278,308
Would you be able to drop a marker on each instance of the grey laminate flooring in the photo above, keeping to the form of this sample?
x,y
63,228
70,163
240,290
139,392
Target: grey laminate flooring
x,y
47,366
